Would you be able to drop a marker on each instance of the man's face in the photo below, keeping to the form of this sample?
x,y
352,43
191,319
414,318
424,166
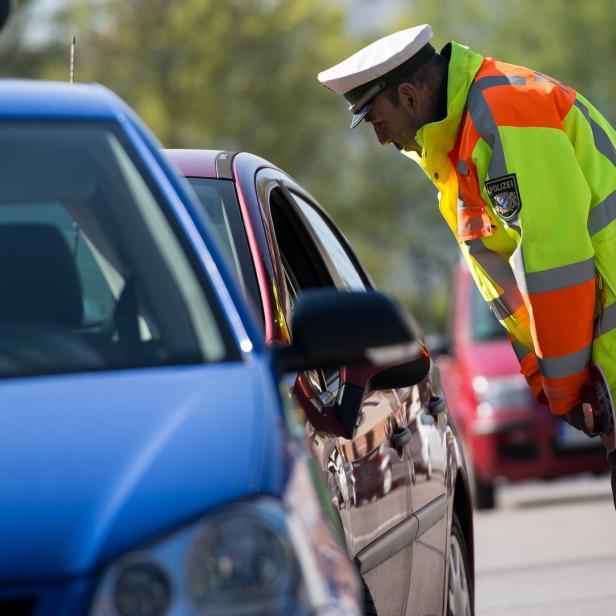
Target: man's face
x,y
397,124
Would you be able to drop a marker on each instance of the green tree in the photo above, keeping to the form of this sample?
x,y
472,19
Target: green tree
x,y
241,74
572,40
216,73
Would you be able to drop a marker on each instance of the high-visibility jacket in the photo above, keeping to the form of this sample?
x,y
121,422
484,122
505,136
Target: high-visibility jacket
x,y
525,168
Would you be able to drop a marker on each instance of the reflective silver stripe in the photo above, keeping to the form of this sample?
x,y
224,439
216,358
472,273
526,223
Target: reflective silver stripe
x,y
602,141
519,269
501,273
494,265
462,167
602,214
505,305
499,80
484,123
559,277
520,350
607,322
565,365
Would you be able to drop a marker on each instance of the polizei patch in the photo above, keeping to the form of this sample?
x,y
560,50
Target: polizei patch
x,y
505,196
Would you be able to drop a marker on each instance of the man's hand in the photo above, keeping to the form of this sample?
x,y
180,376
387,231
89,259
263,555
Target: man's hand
x,y
575,418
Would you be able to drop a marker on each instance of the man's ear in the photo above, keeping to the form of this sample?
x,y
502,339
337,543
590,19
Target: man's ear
x,y
407,94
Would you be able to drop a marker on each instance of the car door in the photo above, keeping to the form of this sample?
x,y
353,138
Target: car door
x,y
369,479
385,412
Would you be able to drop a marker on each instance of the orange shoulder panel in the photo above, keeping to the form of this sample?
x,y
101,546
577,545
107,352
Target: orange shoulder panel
x,y
541,102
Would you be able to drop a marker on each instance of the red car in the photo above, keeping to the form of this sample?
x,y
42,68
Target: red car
x,y
387,447
507,435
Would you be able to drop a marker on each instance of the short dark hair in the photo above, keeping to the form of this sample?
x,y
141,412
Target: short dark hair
x,y
432,75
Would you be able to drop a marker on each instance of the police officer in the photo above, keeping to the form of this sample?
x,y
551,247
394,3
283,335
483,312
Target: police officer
x,y
525,167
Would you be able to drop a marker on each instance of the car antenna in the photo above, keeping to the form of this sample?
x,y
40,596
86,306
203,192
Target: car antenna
x,y
72,61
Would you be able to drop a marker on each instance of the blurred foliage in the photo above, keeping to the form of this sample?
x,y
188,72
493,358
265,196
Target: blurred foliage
x,y
241,74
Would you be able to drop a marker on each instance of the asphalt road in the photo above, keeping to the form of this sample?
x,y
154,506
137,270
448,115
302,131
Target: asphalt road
x,y
549,549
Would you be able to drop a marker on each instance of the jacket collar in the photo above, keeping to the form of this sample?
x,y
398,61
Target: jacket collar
x,y
437,139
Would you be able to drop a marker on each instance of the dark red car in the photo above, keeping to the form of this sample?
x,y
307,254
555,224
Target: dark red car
x,y
507,435
389,453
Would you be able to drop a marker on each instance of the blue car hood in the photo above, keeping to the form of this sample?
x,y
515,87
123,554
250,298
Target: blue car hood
x,y
96,464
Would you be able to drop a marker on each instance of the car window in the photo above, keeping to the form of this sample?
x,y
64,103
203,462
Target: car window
x,y
220,205
97,295
350,278
93,276
300,256
303,268
484,325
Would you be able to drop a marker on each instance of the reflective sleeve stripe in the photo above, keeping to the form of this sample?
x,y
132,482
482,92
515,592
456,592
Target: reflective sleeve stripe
x,y
557,277
510,300
562,302
521,351
499,80
485,125
602,141
564,393
529,367
506,305
606,322
602,214
565,365
562,319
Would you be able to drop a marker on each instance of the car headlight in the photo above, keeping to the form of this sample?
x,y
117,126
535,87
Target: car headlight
x,y
500,393
257,557
244,557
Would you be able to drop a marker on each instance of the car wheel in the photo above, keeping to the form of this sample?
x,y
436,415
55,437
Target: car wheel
x,y
484,495
459,589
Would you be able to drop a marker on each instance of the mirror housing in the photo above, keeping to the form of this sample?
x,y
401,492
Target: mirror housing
x,y
5,11
355,328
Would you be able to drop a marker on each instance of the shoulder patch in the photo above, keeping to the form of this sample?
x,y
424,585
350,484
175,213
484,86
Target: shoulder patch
x,y
505,196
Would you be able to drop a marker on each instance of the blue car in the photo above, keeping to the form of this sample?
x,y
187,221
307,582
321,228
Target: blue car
x,y
150,464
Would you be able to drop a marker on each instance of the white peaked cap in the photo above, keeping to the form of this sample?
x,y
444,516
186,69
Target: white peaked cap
x,y
358,76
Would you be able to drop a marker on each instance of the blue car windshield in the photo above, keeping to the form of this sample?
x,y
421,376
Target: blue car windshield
x,y
92,274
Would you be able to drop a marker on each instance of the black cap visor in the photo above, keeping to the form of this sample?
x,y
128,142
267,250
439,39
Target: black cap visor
x,y
359,115
362,97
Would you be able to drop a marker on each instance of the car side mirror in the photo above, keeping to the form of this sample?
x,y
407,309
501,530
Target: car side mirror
x,y
5,11
333,329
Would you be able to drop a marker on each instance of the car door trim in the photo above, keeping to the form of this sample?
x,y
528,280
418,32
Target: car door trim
x,y
401,535
224,165
430,514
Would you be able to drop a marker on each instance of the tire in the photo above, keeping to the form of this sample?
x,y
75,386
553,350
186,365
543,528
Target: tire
x,y
484,495
369,609
460,591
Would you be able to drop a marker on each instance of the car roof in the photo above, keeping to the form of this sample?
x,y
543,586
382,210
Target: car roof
x,y
38,99
196,163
